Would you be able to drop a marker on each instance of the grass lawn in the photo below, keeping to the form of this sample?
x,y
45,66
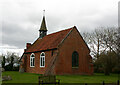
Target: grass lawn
x,y
0,81
33,78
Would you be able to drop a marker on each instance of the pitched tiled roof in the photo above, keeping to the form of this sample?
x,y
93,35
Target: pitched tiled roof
x,y
50,41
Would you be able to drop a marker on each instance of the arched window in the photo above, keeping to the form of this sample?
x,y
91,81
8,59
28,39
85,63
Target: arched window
x,y
42,59
32,60
75,59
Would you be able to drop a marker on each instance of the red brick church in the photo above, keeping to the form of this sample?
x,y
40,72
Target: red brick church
x,y
62,52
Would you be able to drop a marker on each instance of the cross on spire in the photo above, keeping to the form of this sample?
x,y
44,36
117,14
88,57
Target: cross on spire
x,y
43,12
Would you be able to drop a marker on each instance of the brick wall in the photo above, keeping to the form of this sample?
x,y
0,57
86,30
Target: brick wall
x,y
72,43
37,68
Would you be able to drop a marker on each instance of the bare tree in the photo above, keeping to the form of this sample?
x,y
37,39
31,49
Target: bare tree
x,y
109,38
103,43
101,40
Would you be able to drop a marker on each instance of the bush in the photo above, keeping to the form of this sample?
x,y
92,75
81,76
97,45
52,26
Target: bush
x,y
16,68
8,67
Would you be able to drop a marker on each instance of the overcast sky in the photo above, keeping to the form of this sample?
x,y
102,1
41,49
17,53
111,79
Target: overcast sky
x,y
21,19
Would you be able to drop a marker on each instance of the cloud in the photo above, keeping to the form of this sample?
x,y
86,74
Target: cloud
x,y
14,35
21,19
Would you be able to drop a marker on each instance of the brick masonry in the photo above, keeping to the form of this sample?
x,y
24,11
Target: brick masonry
x,y
73,42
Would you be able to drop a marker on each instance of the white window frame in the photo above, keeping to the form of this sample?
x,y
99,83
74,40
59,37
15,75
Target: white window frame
x,y
43,60
32,58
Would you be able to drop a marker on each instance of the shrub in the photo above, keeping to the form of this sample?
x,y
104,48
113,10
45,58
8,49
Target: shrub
x,y
8,67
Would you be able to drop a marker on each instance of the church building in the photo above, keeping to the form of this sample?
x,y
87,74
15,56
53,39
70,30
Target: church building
x,y
59,53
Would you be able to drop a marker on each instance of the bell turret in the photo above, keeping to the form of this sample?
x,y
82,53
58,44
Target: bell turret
x,y
43,28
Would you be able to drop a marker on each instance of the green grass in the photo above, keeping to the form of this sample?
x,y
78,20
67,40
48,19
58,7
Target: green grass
x,y
21,77
0,81
96,78
33,78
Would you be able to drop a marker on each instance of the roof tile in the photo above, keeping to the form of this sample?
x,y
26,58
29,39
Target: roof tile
x,y
50,41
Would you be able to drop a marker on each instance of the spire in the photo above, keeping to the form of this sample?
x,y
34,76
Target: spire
x,y
43,28
43,24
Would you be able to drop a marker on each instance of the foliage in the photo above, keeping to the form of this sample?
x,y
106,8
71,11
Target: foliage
x,y
108,61
11,63
16,68
11,59
103,43
8,67
3,62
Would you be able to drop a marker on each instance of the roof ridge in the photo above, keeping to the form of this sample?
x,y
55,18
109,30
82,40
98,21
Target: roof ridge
x,y
60,31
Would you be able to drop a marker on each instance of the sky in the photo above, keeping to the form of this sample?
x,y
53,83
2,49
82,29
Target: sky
x,y
20,20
